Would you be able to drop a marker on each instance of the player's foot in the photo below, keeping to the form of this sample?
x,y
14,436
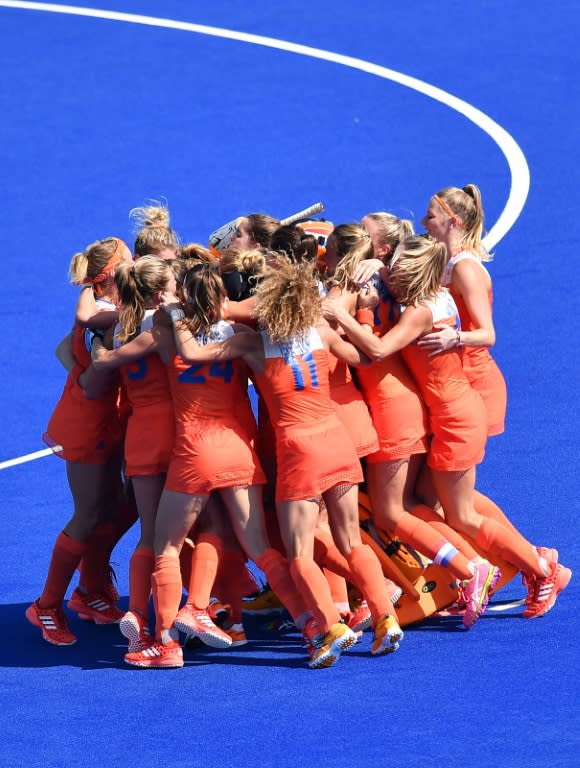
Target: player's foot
x,y
327,651
192,621
95,607
476,591
52,623
217,611
388,635
237,634
546,590
264,601
157,655
136,630
360,619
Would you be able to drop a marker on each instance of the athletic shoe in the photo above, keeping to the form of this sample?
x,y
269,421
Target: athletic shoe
x,y
136,630
360,619
326,653
388,635
192,621
550,555
546,591
476,590
94,607
264,601
157,655
237,634
217,611
394,591
52,622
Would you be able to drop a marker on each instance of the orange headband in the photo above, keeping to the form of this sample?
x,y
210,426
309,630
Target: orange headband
x,y
448,210
109,268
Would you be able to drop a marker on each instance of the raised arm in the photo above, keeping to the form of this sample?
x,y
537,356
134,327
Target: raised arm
x,y
143,344
468,283
89,315
413,322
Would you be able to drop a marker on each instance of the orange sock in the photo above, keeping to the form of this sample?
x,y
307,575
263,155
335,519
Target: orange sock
x,y
338,590
167,591
411,530
369,578
66,556
313,587
493,536
95,562
140,570
232,582
428,515
488,508
279,577
204,565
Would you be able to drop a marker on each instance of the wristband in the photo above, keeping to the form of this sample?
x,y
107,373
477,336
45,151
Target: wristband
x,y
365,317
176,315
458,341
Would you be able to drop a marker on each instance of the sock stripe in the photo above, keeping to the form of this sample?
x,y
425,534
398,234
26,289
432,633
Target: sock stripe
x,y
445,554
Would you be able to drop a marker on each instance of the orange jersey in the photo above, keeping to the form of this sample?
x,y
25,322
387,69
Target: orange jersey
x,y
89,431
397,410
480,368
215,426
313,448
150,432
456,412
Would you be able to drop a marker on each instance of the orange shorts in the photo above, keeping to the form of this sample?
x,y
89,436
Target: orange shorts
x,y
211,455
492,388
150,439
401,423
89,431
353,412
459,433
313,459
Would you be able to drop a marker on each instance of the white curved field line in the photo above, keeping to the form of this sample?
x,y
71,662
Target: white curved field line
x,y
520,175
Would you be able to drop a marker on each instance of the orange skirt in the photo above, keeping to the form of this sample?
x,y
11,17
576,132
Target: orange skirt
x,y
212,455
313,459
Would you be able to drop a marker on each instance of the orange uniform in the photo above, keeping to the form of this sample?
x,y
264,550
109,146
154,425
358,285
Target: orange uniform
x,y
396,407
479,366
456,411
351,408
150,432
89,431
313,448
215,427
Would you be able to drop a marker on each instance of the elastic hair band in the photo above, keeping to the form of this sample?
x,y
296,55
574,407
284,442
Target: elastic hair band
x,y
447,209
109,268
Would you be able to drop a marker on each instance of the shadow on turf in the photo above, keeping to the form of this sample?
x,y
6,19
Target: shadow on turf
x,y
103,647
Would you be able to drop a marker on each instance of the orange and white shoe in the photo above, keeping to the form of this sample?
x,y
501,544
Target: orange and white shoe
x,y
52,623
388,635
157,656
136,630
95,608
545,591
237,634
217,611
192,621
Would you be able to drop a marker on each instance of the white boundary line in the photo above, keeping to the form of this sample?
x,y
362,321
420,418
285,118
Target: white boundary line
x,y
520,175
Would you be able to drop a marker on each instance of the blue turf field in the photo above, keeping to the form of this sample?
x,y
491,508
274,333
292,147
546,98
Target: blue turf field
x,y
99,115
